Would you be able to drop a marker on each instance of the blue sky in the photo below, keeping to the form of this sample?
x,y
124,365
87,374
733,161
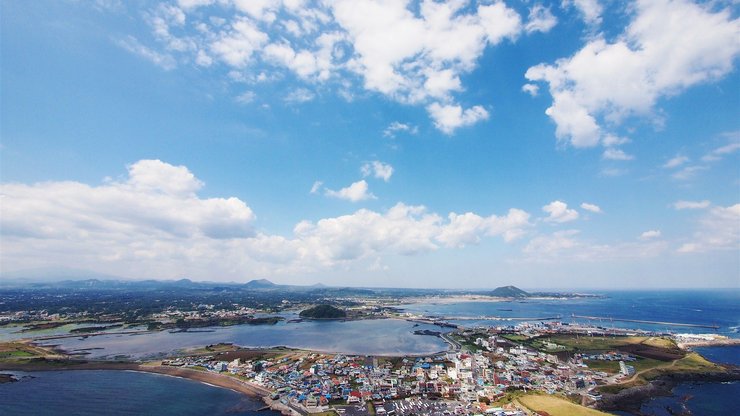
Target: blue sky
x,y
580,143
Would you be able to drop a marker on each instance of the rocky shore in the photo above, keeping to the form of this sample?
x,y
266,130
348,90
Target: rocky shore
x,y
631,399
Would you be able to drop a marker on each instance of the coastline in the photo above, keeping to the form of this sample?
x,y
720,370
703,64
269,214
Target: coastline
x,y
632,399
213,379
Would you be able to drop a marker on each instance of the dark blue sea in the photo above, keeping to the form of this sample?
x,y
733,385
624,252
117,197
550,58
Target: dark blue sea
x,y
91,392
698,307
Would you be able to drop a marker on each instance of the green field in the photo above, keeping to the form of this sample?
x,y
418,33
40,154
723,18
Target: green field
x,y
556,406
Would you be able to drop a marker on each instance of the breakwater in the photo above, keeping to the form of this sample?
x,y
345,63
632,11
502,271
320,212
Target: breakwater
x,y
641,321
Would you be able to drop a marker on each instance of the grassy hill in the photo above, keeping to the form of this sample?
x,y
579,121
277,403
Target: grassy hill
x,y
509,292
323,312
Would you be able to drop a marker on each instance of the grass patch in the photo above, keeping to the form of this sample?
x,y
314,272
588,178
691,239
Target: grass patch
x,y
18,350
586,343
611,367
514,337
556,406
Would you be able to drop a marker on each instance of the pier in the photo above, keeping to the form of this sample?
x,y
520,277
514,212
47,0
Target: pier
x,y
639,321
497,318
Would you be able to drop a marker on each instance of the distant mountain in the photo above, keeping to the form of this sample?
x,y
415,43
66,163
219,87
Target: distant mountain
x,y
261,284
54,274
509,292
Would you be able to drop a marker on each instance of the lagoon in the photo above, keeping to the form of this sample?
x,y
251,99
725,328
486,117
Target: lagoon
x,y
362,337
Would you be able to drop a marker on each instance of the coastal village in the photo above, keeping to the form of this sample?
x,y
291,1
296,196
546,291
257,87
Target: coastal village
x,y
474,378
491,366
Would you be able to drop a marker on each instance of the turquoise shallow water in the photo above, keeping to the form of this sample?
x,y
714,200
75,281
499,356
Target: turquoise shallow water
x,y
83,393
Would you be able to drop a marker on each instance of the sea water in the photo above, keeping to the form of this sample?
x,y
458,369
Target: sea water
x,y
98,392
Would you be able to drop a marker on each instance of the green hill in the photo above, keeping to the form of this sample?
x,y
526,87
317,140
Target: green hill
x,y
323,312
509,292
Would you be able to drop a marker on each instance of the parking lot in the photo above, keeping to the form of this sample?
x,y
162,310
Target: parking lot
x,y
408,407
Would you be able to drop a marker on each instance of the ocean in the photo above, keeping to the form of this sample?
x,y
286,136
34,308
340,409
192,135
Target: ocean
x,y
698,307
93,392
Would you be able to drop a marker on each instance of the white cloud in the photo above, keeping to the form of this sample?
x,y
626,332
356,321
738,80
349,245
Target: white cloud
x,y
164,61
396,127
616,154
468,228
650,234
449,118
236,46
722,151
531,89
691,204
156,200
299,96
551,244
718,230
610,140
246,97
316,187
688,172
540,19
356,192
675,162
565,246
591,207
559,212
152,223
669,46
414,54
377,169
590,10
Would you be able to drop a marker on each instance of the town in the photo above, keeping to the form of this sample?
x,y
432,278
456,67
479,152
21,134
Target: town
x,y
488,373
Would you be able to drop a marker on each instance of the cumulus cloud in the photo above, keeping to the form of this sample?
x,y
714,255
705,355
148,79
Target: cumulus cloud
x,y
590,10
719,229
468,228
356,192
415,54
156,199
449,118
669,46
377,169
153,223
691,204
650,234
540,19
559,212
531,89
591,207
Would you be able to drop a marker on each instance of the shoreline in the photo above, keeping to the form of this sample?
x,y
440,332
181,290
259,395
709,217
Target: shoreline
x,y
632,399
205,377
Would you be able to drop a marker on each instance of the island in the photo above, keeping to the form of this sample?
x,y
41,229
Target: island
x,y
323,312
